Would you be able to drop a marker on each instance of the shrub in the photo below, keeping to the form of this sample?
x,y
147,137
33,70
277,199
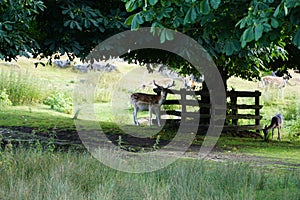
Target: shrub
x,y
4,100
59,102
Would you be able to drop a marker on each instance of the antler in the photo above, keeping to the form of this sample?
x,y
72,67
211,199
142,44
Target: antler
x,y
156,84
171,85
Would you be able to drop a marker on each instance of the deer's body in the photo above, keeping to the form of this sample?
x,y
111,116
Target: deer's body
x,y
276,122
274,81
150,102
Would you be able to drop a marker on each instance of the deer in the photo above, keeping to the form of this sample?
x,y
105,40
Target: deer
x,y
150,102
276,122
275,81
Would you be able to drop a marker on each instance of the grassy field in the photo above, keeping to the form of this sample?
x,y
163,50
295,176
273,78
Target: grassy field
x,y
40,99
33,174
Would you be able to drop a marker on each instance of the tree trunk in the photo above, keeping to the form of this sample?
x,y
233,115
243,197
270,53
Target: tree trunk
x,y
204,112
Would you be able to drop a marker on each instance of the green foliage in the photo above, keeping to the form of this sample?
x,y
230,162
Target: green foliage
x,y
294,133
73,27
242,37
22,88
266,17
16,19
60,102
4,99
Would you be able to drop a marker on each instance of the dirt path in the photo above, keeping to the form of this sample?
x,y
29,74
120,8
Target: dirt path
x,y
65,139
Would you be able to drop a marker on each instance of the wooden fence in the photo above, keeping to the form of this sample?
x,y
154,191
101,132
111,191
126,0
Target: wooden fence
x,y
189,102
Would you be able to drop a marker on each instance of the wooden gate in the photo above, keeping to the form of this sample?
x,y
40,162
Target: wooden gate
x,y
238,113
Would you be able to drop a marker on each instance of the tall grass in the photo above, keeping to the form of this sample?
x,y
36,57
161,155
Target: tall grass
x,y
29,174
22,88
107,84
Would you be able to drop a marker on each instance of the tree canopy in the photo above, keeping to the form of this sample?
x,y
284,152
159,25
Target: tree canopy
x,y
243,37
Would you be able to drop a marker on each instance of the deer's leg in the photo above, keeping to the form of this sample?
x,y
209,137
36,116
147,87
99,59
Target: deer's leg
x,y
278,132
272,132
150,115
157,113
134,114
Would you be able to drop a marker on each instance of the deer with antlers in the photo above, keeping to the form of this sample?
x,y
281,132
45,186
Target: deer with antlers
x,y
150,102
276,122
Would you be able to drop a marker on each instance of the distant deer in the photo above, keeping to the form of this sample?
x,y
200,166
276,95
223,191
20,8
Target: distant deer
x,y
151,102
276,122
193,83
275,81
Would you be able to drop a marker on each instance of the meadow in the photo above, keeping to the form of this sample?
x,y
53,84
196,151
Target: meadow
x,y
40,100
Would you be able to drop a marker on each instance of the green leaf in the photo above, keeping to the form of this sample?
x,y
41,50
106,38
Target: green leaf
x,y
163,36
153,2
236,45
129,20
78,26
72,15
267,27
277,11
193,14
248,34
286,12
72,24
258,31
215,3
169,35
7,26
86,23
242,23
229,48
204,7
296,39
67,23
187,18
131,5
176,22
136,21
274,23
138,18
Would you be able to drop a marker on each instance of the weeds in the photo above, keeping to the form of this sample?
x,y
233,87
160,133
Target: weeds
x,y
108,83
73,175
22,88
4,99
59,102
156,144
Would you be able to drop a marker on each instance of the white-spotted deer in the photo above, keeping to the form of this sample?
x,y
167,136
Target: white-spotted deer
x,y
151,102
275,81
276,122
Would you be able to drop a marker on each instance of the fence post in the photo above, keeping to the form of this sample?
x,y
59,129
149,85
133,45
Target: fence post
x,y
257,109
183,104
233,99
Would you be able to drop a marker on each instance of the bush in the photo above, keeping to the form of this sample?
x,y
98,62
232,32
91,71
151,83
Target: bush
x,y
59,102
4,100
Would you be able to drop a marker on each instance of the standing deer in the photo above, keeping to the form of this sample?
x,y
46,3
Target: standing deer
x,y
149,102
275,82
276,122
